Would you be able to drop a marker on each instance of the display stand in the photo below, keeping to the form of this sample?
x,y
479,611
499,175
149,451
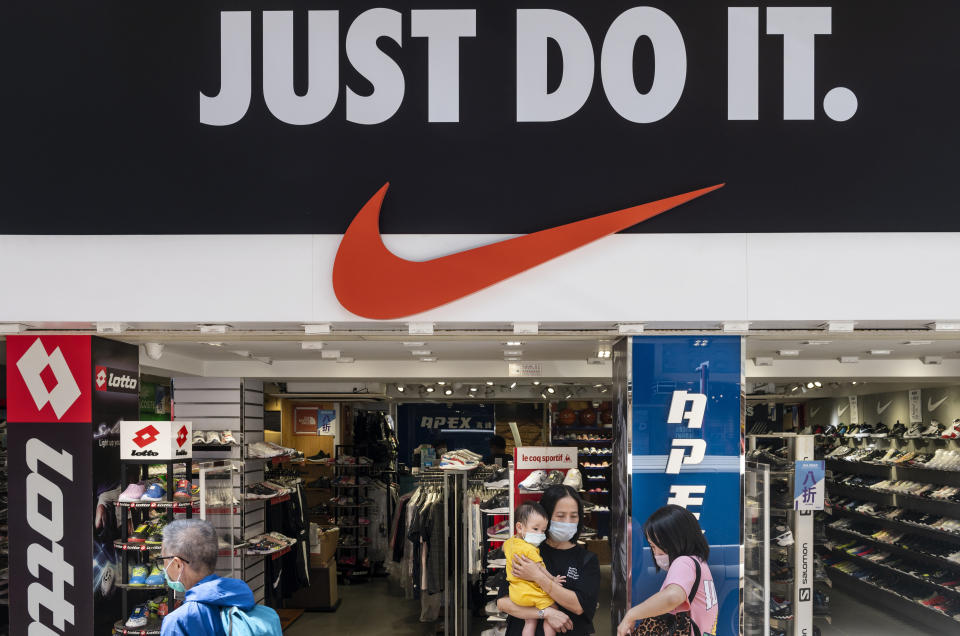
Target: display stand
x,y
594,448
351,503
144,551
756,558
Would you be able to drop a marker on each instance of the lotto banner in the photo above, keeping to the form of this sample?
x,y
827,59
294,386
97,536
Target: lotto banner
x,y
66,397
686,450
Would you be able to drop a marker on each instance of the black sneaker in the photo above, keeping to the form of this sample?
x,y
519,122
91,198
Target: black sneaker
x,y
492,555
899,430
320,457
880,430
499,503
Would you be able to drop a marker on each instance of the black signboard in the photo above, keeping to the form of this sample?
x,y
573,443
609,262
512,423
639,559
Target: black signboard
x,y
522,117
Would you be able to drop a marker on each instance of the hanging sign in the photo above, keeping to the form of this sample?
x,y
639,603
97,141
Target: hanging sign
x,y
916,407
808,485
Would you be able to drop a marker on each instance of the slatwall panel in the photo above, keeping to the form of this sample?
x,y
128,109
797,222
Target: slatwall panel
x,y
254,510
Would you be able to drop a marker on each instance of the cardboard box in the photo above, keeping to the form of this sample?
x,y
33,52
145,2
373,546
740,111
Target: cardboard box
x,y
323,546
322,593
601,549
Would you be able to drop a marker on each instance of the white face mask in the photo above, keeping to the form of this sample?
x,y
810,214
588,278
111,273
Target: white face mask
x,y
663,561
534,538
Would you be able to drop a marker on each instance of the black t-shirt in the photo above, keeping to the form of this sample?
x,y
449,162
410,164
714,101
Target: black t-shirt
x,y
582,570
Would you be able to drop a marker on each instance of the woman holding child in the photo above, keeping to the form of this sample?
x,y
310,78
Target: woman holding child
x,y
569,574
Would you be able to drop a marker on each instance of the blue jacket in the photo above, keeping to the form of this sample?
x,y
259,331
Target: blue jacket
x,y
200,613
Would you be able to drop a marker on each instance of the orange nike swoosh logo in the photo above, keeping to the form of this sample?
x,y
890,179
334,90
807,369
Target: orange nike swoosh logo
x,y
372,282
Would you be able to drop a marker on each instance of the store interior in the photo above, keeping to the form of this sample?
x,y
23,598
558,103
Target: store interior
x,y
318,451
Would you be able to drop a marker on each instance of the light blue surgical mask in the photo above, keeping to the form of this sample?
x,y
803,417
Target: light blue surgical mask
x,y
176,586
562,530
534,538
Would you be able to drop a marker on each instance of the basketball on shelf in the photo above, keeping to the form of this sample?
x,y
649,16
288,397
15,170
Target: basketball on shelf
x,y
606,417
568,417
588,417
606,406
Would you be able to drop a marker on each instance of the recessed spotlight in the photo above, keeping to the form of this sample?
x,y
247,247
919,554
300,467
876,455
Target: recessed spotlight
x,y
448,391
817,383
597,386
513,343
473,389
569,395
794,387
605,389
543,395
513,385
489,383
809,385
401,388
430,389
854,382
536,383
551,390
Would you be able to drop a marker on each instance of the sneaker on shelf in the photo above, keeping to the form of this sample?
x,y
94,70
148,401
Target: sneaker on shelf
x,y
320,458
141,533
198,437
133,492
155,577
934,429
155,534
212,438
534,481
952,431
497,504
138,617
784,536
573,479
154,492
182,493
227,438
500,528
915,431
139,574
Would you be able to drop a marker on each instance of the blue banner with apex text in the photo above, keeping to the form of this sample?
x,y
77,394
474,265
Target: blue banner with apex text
x,y
457,424
687,450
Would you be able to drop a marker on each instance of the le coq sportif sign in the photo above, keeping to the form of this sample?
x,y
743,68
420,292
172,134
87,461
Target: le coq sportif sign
x,y
536,29
494,118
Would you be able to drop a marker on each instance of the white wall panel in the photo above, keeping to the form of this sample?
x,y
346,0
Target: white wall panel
x,y
185,411
206,383
220,396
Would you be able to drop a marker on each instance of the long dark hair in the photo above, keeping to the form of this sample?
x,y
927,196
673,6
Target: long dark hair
x,y
552,495
676,531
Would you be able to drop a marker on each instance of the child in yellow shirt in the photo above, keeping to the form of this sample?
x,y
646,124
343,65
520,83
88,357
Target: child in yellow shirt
x,y
530,531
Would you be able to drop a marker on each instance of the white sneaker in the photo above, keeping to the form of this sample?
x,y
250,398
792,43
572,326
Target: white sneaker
x,y
198,437
932,429
785,536
952,431
573,479
227,438
534,481
915,431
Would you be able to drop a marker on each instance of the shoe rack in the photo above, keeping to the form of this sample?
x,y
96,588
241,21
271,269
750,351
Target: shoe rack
x,y
893,524
784,572
134,513
490,519
234,404
595,447
350,504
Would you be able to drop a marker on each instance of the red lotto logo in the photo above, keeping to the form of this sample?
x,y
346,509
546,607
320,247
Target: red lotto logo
x,y
51,381
145,436
182,435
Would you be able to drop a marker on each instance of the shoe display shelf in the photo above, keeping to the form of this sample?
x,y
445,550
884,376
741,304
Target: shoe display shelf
x,y
497,510
779,541
595,447
139,551
235,405
350,503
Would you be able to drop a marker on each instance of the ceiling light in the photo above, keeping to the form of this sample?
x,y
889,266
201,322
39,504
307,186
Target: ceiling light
x,y
214,344
473,389
597,386
763,362
816,343
513,359
313,330
854,382
414,344
915,343
420,352
933,359
551,390
840,326
809,385
945,326
627,328
213,328
442,382
736,326
420,328
401,388
817,383
311,345
526,328
536,383
569,395
849,359
605,389
428,359
345,360
330,354
788,352
880,352
512,352
12,327
120,327
429,389
543,395
153,350
794,387
489,383
448,391
513,343
513,385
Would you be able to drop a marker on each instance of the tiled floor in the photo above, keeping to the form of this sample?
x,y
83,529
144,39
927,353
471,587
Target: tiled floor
x,y
378,608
